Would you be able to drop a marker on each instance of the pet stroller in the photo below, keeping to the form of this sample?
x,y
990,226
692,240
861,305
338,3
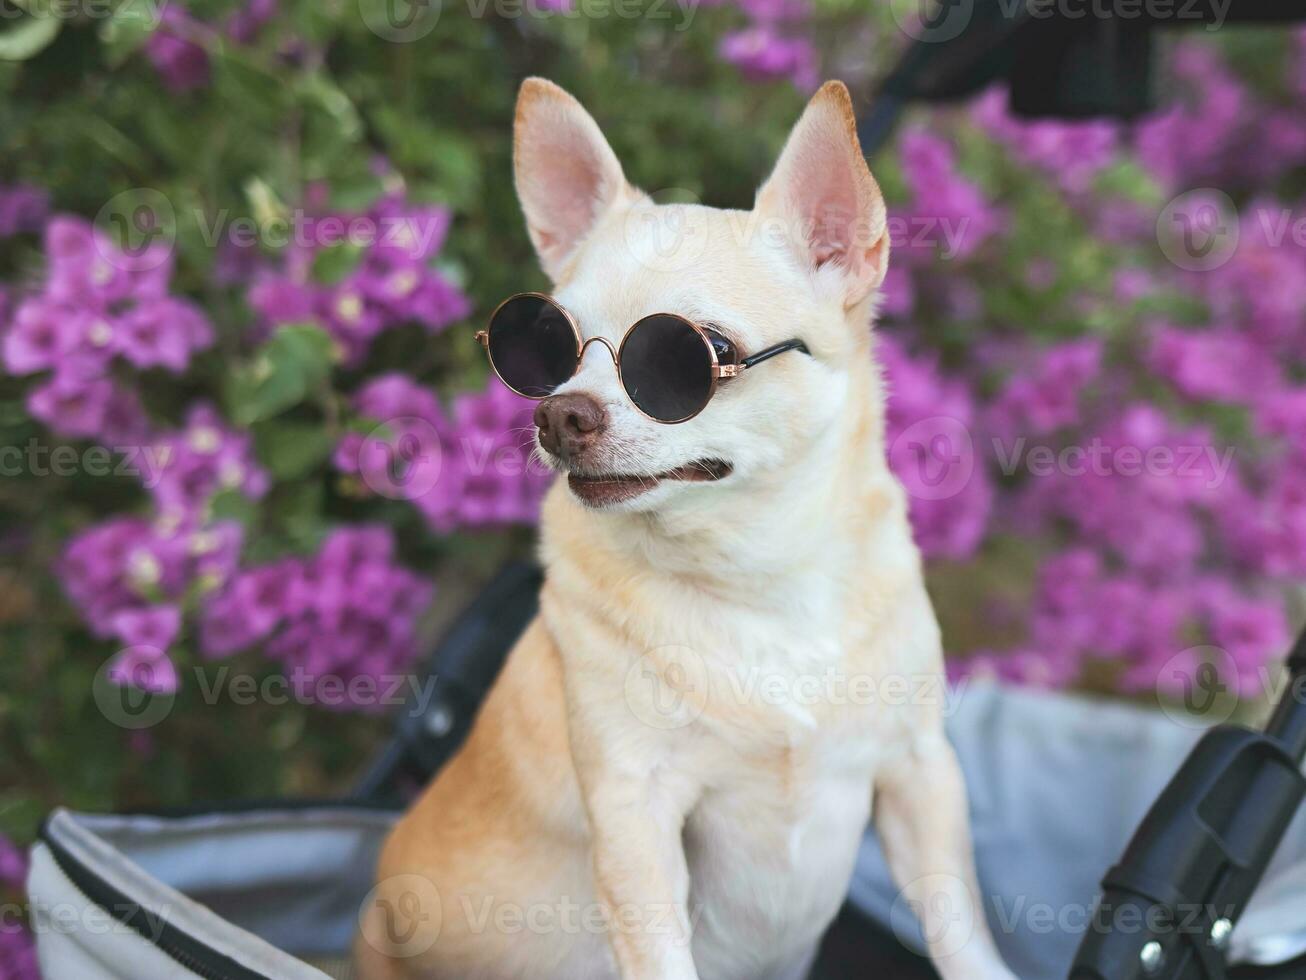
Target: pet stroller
x,y
273,892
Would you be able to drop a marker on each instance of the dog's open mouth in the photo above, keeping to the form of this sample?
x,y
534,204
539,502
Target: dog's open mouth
x,y
614,488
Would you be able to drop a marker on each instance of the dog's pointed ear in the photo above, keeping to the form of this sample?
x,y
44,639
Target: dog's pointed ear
x,y
824,194
567,176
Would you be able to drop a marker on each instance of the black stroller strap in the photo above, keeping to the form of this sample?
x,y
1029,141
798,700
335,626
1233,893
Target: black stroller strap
x,y
458,674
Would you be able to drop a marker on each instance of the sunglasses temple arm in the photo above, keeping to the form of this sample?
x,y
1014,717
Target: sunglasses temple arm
x,y
770,352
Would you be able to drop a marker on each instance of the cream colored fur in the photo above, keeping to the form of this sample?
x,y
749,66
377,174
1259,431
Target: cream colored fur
x,y
667,750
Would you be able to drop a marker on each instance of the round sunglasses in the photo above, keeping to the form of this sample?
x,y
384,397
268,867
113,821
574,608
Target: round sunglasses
x,y
668,365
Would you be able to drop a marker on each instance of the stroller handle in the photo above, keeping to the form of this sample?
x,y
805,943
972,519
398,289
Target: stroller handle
x,y
1168,908
1288,724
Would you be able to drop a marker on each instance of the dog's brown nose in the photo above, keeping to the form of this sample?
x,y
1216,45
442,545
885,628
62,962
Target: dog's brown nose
x,y
569,424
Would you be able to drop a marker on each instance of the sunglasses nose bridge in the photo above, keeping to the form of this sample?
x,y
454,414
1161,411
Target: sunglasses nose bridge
x,y
612,350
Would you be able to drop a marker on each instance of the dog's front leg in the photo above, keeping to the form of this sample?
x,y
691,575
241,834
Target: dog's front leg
x,y
639,870
921,819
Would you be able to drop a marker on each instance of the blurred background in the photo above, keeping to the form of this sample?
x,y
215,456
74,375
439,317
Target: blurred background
x,y
251,458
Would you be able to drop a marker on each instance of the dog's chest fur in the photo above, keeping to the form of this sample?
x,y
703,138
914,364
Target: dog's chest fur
x,y
772,842
780,756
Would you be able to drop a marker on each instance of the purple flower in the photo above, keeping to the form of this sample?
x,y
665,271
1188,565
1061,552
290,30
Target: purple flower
x,y
1189,143
1253,632
773,11
1071,152
224,628
264,595
1083,611
1131,285
155,626
124,424
491,456
930,419
1223,364
200,460
71,406
146,668
1264,524
1282,414
173,50
763,53
472,470
13,864
17,950
1028,668
38,338
1138,486
127,576
390,284
245,24
1044,396
396,395
1222,133
122,564
941,201
1262,288
17,953
215,550
163,333
87,270
99,303
23,208
348,613
236,263
897,295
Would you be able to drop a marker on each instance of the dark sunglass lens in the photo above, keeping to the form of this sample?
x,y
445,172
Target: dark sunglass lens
x,y
532,345
666,368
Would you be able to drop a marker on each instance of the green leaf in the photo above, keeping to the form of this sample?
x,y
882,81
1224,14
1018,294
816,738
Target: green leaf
x,y
128,28
233,505
265,205
296,510
295,360
30,38
331,265
289,450
320,91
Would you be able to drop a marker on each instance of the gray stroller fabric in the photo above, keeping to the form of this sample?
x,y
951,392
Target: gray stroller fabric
x,y
1057,785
